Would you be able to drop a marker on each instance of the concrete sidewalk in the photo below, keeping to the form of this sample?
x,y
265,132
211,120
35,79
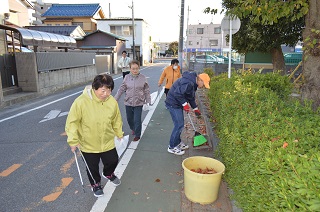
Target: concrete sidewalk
x,y
153,179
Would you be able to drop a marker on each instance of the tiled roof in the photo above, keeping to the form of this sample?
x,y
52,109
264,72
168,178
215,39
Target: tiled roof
x,y
61,30
107,33
72,10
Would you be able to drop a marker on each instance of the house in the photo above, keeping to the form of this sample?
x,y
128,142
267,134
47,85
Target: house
x,y
142,37
83,15
72,31
13,13
18,12
106,45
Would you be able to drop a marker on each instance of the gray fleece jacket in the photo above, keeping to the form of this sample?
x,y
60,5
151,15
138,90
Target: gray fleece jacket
x,y
136,90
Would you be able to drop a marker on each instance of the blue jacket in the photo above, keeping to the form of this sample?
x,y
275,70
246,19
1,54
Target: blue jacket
x,y
183,90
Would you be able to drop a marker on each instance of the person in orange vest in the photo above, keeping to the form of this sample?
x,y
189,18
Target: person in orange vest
x,y
171,74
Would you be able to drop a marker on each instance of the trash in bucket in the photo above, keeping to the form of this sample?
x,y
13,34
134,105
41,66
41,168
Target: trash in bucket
x,y
202,188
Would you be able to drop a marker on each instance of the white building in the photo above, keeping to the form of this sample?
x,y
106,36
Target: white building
x,y
206,38
142,36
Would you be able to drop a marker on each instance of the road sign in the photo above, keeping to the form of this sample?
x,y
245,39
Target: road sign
x,y
235,24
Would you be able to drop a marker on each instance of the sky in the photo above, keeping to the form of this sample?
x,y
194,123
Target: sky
x,y
163,16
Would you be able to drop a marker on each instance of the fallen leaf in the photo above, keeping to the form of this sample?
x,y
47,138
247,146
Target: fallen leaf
x,y
285,144
135,193
63,134
157,180
181,181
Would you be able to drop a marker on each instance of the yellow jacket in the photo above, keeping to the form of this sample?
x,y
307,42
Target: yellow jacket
x,y
93,123
170,75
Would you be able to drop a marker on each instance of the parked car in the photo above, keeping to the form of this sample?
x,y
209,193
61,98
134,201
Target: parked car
x,y
292,58
225,59
206,59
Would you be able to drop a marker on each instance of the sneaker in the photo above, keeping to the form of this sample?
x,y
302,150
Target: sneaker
x,y
113,178
97,190
176,150
183,146
136,139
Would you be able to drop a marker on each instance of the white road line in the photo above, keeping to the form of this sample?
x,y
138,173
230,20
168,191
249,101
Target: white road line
x,y
49,103
51,115
36,108
102,202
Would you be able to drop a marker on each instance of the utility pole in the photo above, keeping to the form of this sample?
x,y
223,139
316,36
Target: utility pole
x,y
187,54
181,35
133,43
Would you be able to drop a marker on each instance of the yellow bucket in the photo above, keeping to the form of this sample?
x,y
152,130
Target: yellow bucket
x,y
202,188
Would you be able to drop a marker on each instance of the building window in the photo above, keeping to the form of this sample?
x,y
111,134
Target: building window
x,y
197,42
199,30
190,31
190,43
49,24
217,30
78,24
57,24
121,30
213,42
126,30
65,24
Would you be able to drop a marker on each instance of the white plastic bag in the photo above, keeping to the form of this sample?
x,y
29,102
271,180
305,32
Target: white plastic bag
x,y
121,145
147,106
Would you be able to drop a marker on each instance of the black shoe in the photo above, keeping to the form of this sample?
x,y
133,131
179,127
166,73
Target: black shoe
x,y
97,190
114,179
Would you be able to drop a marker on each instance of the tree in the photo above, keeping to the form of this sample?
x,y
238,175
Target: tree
x,y
266,25
268,12
173,47
311,54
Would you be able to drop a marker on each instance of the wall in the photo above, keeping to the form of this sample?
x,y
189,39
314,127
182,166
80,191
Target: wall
x,y
47,82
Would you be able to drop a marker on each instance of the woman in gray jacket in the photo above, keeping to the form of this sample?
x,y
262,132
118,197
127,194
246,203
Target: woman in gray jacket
x,y
137,93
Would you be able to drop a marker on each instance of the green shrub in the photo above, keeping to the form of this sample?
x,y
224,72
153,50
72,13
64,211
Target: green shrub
x,y
268,142
209,71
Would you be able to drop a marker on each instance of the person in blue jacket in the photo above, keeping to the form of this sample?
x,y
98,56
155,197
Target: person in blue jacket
x,y
180,95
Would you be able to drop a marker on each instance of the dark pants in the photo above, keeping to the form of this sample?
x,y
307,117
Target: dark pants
x,y
109,160
125,73
134,119
166,90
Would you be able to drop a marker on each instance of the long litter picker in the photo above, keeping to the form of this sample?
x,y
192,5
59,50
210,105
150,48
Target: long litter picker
x,y
85,162
198,138
75,156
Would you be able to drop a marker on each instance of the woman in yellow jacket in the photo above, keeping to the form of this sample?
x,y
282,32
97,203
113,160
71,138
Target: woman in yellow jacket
x,y
171,73
93,121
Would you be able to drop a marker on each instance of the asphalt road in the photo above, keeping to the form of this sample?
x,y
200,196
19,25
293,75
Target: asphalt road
x,y
37,169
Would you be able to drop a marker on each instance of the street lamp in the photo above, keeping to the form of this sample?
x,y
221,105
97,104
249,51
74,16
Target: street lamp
x,y
133,44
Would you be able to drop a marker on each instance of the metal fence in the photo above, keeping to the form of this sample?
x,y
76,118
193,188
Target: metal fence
x,y
49,61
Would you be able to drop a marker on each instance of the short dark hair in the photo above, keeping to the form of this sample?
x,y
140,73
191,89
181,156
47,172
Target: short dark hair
x,y
134,62
174,61
124,52
103,80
